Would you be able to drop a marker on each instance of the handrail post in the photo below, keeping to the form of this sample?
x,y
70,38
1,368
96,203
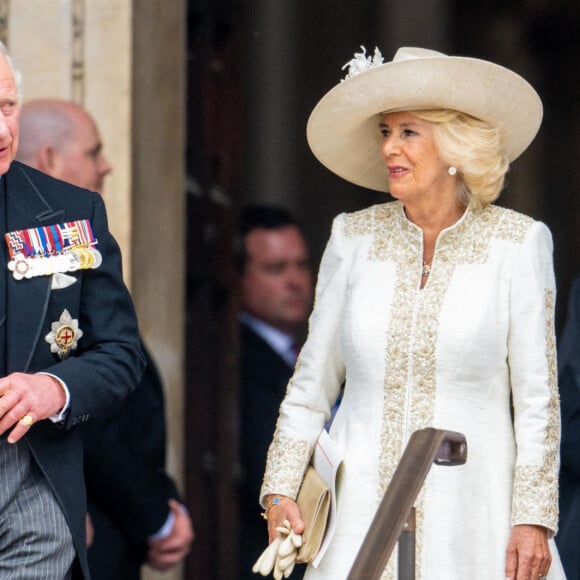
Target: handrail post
x,y
425,447
407,548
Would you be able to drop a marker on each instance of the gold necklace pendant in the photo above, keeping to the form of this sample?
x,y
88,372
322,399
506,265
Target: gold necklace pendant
x,y
426,269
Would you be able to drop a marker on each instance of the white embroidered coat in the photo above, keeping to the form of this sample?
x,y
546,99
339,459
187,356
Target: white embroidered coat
x,y
450,356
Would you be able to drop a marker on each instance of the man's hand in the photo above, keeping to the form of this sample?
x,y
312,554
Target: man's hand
x,y
167,552
27,398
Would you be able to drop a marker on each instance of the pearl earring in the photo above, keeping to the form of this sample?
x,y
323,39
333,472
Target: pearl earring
x,y
452,170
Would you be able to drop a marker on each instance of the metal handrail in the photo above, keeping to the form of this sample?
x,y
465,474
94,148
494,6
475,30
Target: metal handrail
x,y
425,447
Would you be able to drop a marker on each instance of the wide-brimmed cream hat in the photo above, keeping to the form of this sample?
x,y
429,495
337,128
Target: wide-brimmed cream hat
x,y
343,129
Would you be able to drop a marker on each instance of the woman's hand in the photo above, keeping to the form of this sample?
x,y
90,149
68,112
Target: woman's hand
x,y
528,555
285,527
286,509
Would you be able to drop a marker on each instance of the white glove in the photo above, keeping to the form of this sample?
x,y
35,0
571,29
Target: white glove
x,y
288,551
280,555
265,563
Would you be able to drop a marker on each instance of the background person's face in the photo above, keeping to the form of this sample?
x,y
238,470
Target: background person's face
x,y
277,280
81,161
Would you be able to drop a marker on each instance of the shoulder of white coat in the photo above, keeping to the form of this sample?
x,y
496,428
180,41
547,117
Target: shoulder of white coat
x,y
365,221
512,225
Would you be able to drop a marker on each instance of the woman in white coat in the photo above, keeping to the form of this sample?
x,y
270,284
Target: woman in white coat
x,y
434,310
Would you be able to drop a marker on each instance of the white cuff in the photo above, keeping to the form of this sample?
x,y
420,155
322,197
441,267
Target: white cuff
x,y
58,417
165,529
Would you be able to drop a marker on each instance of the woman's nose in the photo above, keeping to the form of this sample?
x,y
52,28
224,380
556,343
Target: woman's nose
x,y
390,146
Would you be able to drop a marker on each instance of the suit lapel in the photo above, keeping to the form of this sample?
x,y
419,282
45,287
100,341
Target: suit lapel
x,y
26,300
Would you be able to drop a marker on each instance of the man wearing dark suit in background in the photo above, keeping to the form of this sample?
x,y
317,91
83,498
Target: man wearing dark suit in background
x,y
276,294
133,503
568,537
69,349
131,497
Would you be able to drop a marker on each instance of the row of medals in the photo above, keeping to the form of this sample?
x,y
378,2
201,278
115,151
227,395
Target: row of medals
x,y
78,258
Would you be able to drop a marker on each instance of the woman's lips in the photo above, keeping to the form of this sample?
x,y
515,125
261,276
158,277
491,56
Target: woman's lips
x,y
397,171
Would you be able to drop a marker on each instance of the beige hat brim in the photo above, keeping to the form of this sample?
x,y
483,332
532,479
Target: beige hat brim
x,y
343,129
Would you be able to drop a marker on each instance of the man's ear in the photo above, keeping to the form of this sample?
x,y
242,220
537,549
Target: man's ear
x,y
47,159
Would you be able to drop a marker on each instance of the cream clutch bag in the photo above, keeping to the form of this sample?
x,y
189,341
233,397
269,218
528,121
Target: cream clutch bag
x,y
314,503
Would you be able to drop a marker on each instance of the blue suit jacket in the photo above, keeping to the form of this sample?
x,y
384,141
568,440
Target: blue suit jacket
x,y
107,363
569,381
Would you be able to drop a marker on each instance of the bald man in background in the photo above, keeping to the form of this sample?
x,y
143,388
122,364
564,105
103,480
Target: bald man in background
x,y
133,503
61,139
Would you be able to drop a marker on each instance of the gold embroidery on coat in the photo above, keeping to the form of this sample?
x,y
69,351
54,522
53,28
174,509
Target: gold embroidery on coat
x,y
536,487
287,459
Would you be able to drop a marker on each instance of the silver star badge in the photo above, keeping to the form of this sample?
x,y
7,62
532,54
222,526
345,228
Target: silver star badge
x,y
64,335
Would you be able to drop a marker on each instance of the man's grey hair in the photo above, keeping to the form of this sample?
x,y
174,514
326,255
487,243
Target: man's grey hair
x,y
15,72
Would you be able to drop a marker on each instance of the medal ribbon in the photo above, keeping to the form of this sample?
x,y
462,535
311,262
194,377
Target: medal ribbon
x,y
50,240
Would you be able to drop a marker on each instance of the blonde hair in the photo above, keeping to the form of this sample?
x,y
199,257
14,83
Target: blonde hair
x,y
474,147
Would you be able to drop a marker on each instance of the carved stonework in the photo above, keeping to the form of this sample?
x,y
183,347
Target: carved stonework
x,y
78,52
4,10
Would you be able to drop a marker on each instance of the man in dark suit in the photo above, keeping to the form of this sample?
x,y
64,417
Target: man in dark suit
x,y
276,294
134,505
569,384
69,349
